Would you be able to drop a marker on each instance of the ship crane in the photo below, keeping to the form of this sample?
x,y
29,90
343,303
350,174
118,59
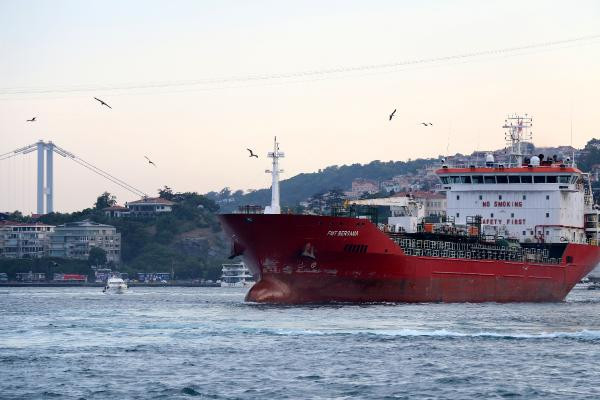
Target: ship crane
x,y
274,208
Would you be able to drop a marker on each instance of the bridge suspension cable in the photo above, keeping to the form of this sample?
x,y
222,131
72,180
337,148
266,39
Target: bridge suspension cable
x,y
51,148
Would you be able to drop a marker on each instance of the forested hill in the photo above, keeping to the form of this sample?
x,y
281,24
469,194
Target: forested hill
x,y
302,186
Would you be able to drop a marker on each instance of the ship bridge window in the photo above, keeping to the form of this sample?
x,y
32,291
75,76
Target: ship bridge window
x,y
490,179
551,179
539,179
514,179
466,179
477,179
502,179
444,180
526,179
563,179
574,179
455,179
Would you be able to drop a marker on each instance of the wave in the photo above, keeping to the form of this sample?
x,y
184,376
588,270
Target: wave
x,y
438,333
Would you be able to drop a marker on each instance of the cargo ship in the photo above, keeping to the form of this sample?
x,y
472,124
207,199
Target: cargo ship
x,y
514,231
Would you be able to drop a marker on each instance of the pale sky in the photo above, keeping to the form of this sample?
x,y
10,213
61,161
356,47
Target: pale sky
x,y
198,134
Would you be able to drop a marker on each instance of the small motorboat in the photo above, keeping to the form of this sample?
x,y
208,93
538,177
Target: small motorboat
x,y
115,285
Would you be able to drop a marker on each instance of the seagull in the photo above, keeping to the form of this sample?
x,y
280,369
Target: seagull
x,y
252,154
392,114
31,120
427,123
149,161
103,103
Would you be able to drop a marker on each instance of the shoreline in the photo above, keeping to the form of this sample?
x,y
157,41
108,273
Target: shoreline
x,y
99,284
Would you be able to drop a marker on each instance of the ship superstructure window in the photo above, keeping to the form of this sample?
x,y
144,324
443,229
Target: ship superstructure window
x,y
547,197
499,197
563,179
551,179
526,179
524,197
466,179
502,179
457,197
539,179
477,179
547,215
444,180
514,179
480,197
490,179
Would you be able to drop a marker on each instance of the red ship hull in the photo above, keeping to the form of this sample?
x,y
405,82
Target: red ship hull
x,y
315,259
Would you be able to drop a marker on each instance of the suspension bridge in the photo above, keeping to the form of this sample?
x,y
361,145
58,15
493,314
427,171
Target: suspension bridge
x,y
45,172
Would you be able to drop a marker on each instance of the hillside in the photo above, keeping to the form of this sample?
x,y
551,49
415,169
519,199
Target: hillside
x,y
188,240
302,186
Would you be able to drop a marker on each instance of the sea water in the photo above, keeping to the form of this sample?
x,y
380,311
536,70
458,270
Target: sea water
x,y
169,343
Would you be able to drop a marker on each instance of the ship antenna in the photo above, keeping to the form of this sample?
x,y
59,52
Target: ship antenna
x,y
274,208
517,129
573,158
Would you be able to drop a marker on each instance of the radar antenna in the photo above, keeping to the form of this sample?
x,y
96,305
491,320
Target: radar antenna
x,y
517,131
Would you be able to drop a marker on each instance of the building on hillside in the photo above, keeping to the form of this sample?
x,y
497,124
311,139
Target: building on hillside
x,y
391,186
149,206
24,240
116,211
75,240
361,186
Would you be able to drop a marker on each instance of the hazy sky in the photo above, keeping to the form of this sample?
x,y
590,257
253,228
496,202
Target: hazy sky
x,y
197,134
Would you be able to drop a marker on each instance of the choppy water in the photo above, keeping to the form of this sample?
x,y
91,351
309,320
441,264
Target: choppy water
x,y
168,343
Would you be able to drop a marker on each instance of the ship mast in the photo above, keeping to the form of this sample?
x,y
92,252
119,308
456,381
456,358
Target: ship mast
x,y
517,130
274,208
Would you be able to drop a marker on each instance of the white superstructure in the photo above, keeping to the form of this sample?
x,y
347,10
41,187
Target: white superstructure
x,y
236,275
115,285
532,199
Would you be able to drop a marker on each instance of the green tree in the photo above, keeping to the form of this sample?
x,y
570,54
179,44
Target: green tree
x,y
105,200
166,193
97,256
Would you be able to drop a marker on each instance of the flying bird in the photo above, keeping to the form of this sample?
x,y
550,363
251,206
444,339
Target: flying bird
x,y
427,123
31,120
392,114
103,103
252,153
149,161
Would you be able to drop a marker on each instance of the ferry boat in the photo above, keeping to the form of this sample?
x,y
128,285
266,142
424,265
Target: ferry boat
x,y
236,275
514,232
115,284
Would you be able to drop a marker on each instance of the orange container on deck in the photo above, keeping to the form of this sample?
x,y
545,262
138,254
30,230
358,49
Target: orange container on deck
x,y
473,231
428,228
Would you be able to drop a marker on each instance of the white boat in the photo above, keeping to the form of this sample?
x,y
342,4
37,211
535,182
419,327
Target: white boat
x,y
115,285
236,275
